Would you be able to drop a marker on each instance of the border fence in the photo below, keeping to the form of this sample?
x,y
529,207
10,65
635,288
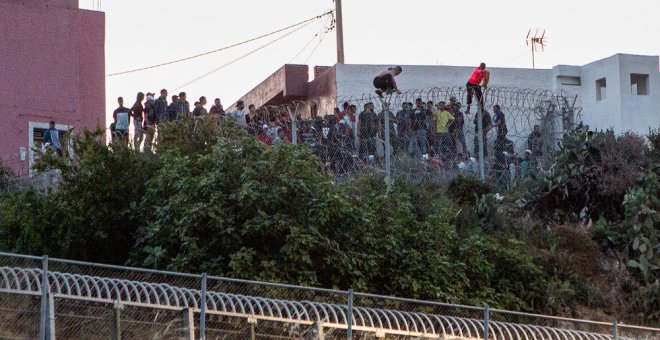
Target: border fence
x,y
475,142
46,298
347,147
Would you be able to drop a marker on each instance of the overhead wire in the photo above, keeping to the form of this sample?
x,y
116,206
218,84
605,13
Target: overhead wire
x,y
306,45
241,57
304,22
316,47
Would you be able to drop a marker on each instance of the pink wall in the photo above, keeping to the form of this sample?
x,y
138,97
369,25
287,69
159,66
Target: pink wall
x,y
52,67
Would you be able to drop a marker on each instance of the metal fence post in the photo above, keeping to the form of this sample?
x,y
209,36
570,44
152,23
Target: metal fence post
x,y
388,146
481,141
43,315
486,321
188,324
349,322
116,312
202,314
51,317
615,331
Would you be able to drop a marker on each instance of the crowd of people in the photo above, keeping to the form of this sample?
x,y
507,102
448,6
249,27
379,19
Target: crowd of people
x,y
346,139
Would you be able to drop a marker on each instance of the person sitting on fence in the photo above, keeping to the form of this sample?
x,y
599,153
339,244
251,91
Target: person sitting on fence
x,y
384,81
478,79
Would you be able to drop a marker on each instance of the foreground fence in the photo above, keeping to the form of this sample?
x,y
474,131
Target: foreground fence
x,y
42,298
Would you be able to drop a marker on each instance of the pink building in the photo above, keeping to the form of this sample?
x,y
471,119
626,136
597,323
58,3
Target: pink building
x,y
52,67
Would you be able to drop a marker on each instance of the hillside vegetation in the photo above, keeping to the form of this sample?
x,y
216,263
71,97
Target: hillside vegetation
x,y
581,239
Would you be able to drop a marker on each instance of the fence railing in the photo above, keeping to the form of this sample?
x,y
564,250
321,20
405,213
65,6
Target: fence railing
x,y
48,298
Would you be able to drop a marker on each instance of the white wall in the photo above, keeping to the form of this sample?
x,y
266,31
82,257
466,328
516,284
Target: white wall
x,y
639,113
619,110
357,79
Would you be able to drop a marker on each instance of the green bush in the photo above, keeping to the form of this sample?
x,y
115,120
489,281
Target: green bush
x,y
467,189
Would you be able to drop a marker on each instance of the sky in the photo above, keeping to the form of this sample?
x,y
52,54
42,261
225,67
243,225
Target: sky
x,y
142,33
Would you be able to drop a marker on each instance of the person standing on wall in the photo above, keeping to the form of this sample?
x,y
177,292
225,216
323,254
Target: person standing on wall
x,y
478,79
121,117
137,113
384,81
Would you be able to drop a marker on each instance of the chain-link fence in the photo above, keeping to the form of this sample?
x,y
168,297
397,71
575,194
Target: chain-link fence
x,y
43,298
431,134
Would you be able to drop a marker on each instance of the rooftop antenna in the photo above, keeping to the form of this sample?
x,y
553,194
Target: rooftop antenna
x,y
534,41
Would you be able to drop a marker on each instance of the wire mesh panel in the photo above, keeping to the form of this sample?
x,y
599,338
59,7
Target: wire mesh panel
x,y
19,316
90,307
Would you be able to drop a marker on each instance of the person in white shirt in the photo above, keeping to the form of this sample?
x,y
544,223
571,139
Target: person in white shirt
x,y
239,114
384,81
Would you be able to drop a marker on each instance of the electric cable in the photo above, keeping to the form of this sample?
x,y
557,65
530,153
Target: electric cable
x,y
306,45
222,48
316,47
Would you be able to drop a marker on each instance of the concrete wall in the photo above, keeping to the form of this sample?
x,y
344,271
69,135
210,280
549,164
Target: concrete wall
x,y
287,83
639,112
606,112
354,80
619,109
53,68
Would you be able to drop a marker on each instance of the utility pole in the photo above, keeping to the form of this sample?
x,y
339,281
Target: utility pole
x,y
340,32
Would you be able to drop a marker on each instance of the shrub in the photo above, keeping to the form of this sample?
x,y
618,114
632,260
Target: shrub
x,y
467,189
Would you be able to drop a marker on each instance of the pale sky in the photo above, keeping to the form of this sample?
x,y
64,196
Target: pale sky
x,y
413,32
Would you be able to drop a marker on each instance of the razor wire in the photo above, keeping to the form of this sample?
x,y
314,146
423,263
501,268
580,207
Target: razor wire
x,y
441,157
86,291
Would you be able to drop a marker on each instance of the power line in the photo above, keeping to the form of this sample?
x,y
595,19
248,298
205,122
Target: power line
x,y
241,57
315,47
306,45
222,48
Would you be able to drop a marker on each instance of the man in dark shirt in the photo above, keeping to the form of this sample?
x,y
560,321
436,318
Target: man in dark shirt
x,y
160,107
121,117
171,109
535,142
182,108
418,129
217,107
486,121
369,130
402,120
499,120
137,113
456,125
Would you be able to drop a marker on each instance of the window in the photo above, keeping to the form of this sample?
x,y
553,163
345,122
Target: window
x,y
601,89
569,81
36,140
639,84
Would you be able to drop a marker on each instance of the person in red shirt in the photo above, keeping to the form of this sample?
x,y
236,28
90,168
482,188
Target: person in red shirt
x,y
478,78
263,137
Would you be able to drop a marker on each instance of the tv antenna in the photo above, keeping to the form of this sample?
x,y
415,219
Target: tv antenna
x,y
534,41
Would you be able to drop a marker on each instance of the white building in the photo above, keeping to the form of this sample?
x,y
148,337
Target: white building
x,y
621,92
